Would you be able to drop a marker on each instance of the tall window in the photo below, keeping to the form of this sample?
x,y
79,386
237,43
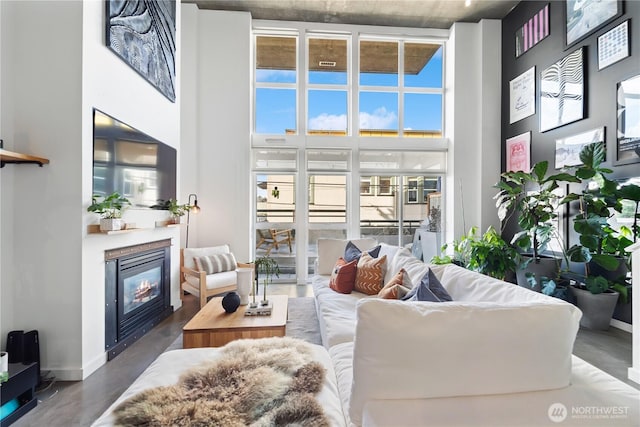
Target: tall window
x,y
327,96
276,76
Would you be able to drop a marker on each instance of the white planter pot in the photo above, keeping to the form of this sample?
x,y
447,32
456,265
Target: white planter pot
x,y
111,224
245,280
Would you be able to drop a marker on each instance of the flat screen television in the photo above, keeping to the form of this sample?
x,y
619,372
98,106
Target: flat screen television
x,y
132,163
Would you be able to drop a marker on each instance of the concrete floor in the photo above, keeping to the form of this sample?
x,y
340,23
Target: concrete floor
x,y
80,403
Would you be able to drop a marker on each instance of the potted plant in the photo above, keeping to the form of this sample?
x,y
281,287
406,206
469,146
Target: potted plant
x,y
532,196
110,209
488,254
177,211
601,247
266,266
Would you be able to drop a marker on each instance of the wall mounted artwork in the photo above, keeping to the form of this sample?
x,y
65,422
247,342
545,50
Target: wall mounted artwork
x,y
628,133
583,17
568,149
143,34
562,92
519,153
613,45
522,96
533,31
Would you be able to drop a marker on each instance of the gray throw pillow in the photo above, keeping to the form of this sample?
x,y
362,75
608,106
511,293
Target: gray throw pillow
x,y
429,289
352,252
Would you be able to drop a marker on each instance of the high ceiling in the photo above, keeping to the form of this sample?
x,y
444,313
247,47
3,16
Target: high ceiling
x,y
395,13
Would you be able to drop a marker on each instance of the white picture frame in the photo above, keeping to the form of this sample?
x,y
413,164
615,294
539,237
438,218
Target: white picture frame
x,y
613,46
522,96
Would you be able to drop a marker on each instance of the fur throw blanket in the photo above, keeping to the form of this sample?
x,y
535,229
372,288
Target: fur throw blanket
x,y
259,382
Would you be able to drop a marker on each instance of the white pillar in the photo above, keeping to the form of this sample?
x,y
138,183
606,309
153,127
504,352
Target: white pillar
x,y
634,370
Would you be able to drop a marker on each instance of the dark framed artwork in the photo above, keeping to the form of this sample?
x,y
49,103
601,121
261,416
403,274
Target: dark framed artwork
x,y
613,46
533,31
568,148
628,113
562,92
583,17
143,34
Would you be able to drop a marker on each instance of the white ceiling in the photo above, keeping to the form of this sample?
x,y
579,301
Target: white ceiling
x,y
396,13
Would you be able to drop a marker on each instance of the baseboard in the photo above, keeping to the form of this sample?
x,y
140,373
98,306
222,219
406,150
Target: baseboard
x,y
627,327
77,374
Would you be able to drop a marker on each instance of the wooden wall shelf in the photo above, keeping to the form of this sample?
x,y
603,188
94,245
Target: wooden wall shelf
x,y
7,156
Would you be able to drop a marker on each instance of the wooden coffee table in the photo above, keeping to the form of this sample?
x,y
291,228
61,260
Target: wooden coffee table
x,y
213,327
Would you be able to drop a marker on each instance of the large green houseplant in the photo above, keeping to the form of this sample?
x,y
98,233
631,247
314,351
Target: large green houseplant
x,y
110,209
601,247
533,198
487,254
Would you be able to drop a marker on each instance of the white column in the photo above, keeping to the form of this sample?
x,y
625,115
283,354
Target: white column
x,y
634,370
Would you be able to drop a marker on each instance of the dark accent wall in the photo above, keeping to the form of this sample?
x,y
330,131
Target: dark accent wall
x,y
600,108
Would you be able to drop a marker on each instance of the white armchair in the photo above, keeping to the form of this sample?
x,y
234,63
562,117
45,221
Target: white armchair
x,y
201,284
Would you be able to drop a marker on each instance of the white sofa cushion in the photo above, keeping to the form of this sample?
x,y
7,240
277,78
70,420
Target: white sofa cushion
x,y
591,390
467,285
403,258
190,253
214,281
329,250
446,349
169,366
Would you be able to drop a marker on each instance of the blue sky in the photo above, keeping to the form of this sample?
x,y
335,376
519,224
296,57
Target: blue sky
x,y
276,108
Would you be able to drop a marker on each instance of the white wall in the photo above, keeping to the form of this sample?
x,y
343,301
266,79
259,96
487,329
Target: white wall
x,y
217,126
472,125
52,79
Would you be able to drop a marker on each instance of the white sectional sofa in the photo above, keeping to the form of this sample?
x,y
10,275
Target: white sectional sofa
x,y
498,354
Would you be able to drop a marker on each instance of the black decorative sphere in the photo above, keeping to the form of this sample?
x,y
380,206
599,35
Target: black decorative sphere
x,y
231,302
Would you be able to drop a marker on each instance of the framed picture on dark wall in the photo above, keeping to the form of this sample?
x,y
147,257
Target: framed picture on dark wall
x,y
533,31
562,91
628,113
613,46
518,154
522,96
583,17
143,34
568,148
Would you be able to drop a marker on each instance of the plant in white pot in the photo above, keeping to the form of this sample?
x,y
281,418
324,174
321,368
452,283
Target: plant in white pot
x,y
531,195
177,210
601,247
110,209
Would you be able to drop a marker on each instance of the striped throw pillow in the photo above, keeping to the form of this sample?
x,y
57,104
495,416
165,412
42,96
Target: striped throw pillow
x,y
215,263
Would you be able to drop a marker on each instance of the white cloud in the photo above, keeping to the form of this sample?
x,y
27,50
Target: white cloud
x,y
328,122
380,119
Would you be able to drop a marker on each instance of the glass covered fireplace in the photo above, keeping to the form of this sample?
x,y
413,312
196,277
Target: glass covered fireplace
x,y
137,290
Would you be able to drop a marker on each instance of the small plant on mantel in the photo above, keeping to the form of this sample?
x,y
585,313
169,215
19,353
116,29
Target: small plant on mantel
x,y
110,209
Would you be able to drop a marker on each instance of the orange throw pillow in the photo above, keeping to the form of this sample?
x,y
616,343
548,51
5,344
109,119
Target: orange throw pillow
x,y
401,278
394,292
370,274
343,276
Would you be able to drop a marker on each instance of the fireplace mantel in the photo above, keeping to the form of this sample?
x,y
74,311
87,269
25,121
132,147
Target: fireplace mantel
x,y
130,250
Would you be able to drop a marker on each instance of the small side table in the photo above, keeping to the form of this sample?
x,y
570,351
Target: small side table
x,y
21,385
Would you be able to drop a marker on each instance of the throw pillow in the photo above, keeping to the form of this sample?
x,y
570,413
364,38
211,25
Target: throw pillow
x,y
215,263
352,252
369,274
394,292
429,289
401,278
343,276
